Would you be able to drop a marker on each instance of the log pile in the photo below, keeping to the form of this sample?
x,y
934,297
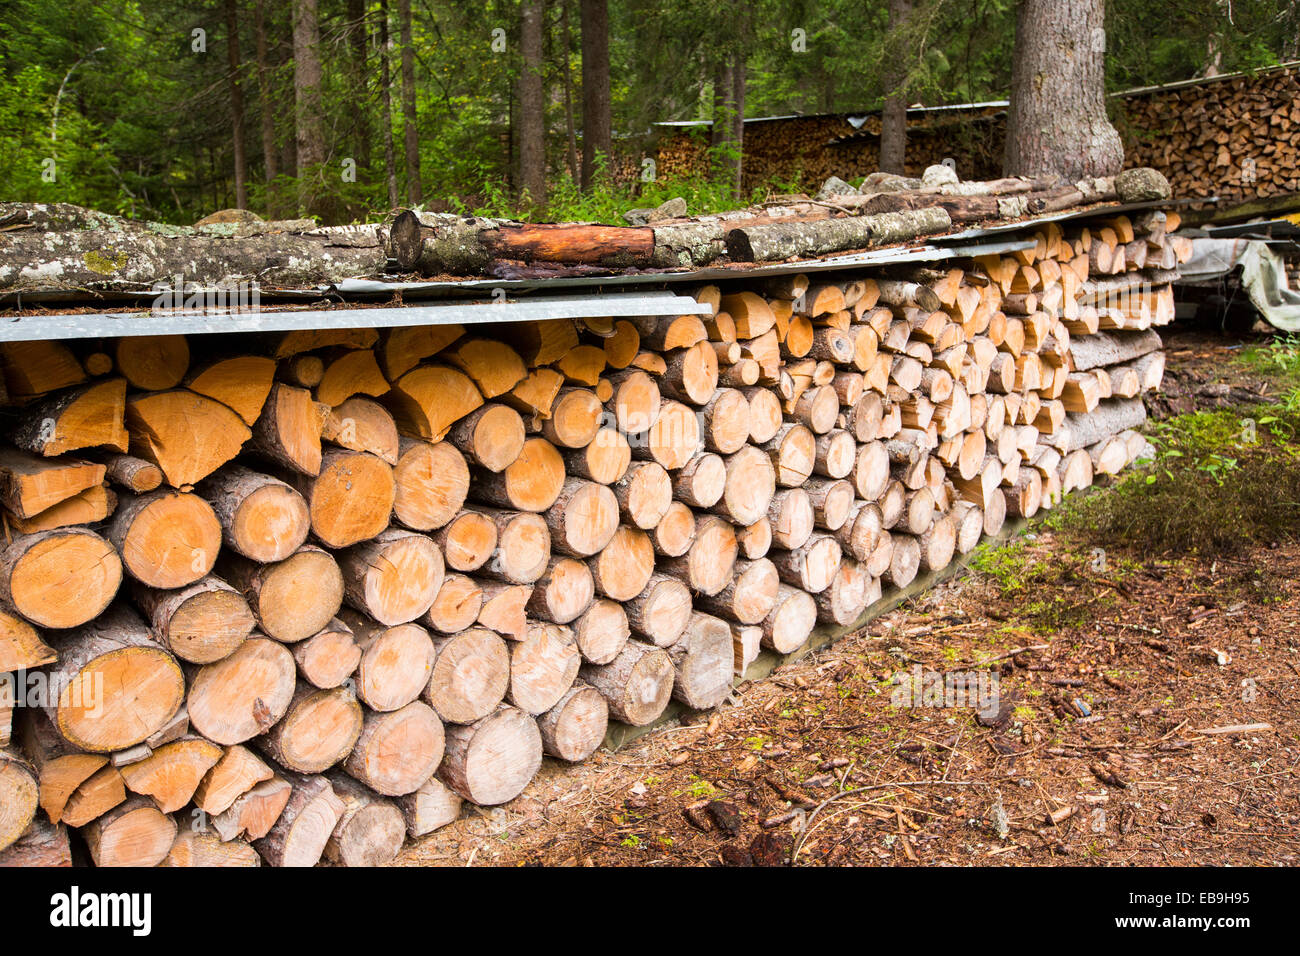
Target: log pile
x,y
298,600
810,149
1234,136
886,210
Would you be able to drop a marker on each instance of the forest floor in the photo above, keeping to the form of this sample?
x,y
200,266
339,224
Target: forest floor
x,y
1135,708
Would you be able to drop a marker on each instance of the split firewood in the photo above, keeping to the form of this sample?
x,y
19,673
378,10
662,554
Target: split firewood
x,y
602,631
252,814
299,835
185,434
362,424
242,695
134,833
171,774
575,726
235,773
242,383
430,807
491,760
194,848
398,750
30,485
87,417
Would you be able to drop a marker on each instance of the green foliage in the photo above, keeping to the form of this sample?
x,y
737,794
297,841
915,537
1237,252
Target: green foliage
x,y
1037,587
144,122
607,201
1280,359
1220,483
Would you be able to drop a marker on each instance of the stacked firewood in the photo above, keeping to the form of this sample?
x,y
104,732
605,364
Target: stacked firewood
x,y
1237,137
295,597
809,149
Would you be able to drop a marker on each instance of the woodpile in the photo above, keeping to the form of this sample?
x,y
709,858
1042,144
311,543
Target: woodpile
x,y
1236,137
281,616
886,210
810,149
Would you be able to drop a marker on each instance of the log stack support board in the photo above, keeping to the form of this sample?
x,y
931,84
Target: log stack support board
x,y
317,589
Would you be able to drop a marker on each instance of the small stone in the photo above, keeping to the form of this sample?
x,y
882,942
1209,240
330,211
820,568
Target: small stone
x,y
1142,184
887,183
674,208
637,217
243,217
939,175
835,187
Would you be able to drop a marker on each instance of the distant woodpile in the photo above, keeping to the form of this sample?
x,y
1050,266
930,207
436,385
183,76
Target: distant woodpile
x,y
1237,137
807,150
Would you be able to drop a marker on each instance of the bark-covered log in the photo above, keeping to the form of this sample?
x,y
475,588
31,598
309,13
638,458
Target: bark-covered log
x,y
780,240
138,259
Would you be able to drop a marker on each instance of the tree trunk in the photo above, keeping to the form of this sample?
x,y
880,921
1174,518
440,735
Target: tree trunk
x,y
596,123
893,120
385,84
414,189
270,157
1057,121
397,751
358,36
532,106
571,135
738,121
309,111
236,104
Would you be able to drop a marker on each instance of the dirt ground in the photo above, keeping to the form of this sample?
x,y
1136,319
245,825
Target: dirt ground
x,y
1132,713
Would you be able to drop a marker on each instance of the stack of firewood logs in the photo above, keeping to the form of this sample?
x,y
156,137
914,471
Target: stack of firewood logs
x,y
296,596
1235,137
